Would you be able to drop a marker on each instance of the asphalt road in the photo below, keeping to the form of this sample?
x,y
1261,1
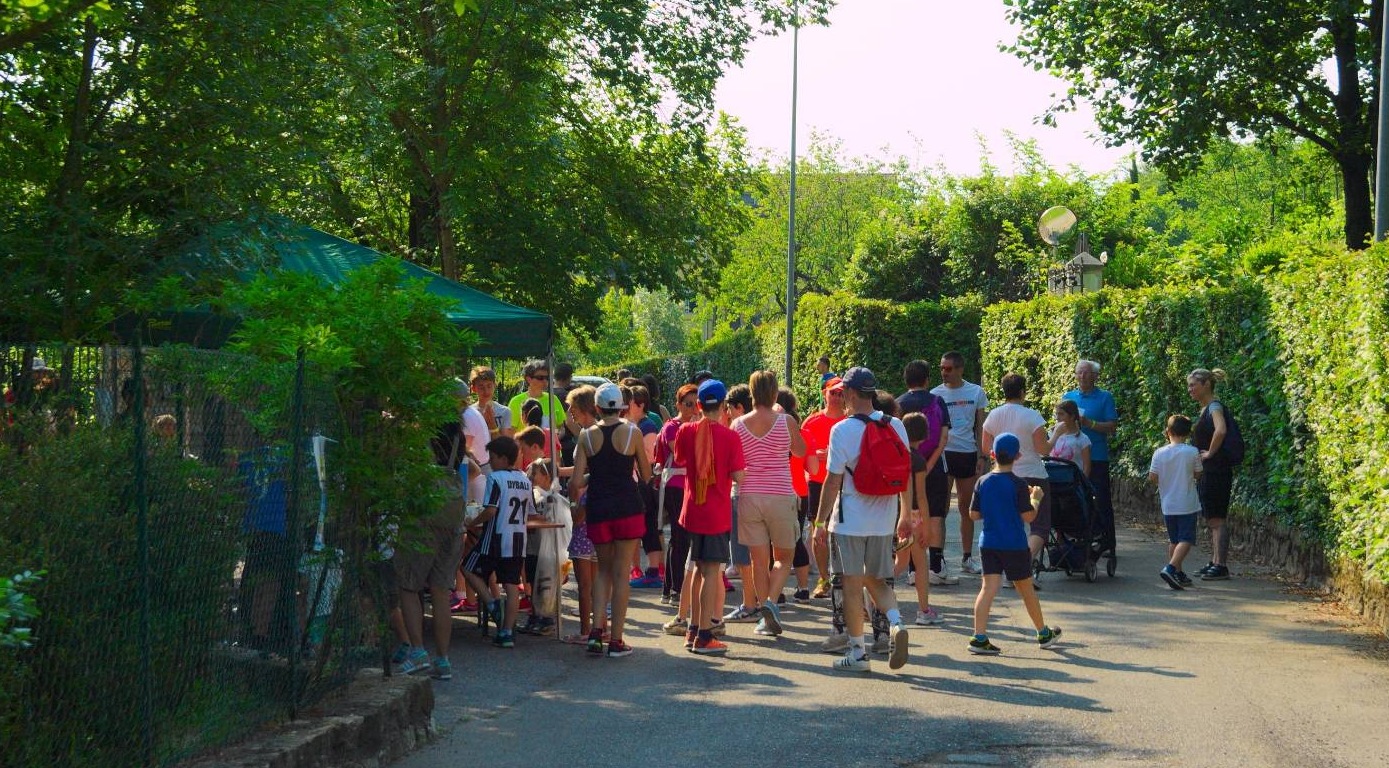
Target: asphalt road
x,y
1246,672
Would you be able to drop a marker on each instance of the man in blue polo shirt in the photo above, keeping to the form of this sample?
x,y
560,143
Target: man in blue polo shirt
x,y
1099,418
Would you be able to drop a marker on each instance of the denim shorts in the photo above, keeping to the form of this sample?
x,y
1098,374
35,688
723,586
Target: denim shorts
x,y
1181,528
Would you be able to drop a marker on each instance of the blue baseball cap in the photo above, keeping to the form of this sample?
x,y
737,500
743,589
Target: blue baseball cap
x,y
860,379
712,392
1006,447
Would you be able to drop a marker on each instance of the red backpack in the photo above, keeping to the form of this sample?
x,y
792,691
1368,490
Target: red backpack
x,y
884,465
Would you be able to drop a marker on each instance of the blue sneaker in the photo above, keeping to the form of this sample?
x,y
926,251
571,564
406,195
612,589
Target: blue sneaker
x,y
442,669
418,661
402,652
1047,636
771,617
1169,575
504,639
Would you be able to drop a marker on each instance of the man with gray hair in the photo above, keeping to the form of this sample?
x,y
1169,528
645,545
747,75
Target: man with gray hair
x,y
1099,418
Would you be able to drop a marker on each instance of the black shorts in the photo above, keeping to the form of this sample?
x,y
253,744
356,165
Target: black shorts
x,y
1016,564
1213,487
710,547
937,494
961,465
507,569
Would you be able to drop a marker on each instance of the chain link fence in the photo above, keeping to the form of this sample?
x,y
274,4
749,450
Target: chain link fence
x,y
195,582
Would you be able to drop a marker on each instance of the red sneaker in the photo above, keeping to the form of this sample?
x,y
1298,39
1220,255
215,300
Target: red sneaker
x,y
711,647
524,604
727,585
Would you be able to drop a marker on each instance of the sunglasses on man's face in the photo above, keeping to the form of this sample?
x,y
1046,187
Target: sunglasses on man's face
x,y
541,378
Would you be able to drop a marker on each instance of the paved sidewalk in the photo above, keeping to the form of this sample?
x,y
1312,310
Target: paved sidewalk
x,y
1238,673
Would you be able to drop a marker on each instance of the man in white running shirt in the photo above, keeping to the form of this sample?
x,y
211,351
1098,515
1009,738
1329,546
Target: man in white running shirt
x,y
967,404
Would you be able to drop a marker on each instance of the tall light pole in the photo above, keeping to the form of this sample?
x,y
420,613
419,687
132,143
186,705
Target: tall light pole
x,y
1382,140
791,218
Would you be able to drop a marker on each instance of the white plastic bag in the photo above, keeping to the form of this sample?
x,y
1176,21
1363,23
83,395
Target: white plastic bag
x,y
554,548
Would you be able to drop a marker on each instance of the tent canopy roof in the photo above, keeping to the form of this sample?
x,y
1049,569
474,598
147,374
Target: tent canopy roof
x,y
506,330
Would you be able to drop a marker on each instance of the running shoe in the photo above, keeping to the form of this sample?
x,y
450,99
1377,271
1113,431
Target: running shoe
x,y
927,617
781,599
763,629
882,644
1184,579
711,647
732,572
837,642
1216,573
1169,575
1205,569
577,638
1047,636
504,639
943,579
727,585
852,662
418,661
771,617
595,644
691,635
971,565
911,578
646,582
636,573
718,628
442,669
524,604
742,615
402,652
465,606
980,645
676,626
618,649
801,596
822,590
897,647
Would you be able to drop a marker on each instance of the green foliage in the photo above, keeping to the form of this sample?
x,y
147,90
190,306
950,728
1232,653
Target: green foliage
x,y
390,351
1176,78
1307,382
67,507
17,609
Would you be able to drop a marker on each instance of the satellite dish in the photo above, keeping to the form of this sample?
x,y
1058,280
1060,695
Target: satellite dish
x,y
1054,223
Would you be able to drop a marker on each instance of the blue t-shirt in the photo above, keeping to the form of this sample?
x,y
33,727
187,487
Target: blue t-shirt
x,y
1097,405
1001,498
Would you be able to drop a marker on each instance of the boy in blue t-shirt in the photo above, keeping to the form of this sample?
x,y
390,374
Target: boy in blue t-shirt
x,y
1002,502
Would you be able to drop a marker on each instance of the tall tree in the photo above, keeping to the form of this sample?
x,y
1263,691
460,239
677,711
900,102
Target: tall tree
x,y
1173,77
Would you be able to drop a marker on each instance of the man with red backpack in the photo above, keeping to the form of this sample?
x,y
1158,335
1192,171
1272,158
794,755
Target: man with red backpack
x,y
869,468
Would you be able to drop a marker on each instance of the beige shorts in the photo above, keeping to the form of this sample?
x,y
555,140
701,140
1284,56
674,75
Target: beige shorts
x,y
431,562
765,518
869,556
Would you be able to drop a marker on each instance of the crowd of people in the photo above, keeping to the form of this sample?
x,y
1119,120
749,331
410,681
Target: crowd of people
x,y
859,490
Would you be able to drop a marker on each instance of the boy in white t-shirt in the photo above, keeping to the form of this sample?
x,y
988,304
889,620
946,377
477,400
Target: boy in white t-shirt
x,y
1174,469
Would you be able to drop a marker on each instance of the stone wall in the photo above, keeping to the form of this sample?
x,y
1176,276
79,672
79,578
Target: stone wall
x,y
1266,542
375,722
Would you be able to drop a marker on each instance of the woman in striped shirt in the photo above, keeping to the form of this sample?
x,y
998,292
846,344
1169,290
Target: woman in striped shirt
x,y
766,498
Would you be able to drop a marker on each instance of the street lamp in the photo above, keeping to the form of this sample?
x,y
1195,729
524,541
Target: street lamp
x,y
791,218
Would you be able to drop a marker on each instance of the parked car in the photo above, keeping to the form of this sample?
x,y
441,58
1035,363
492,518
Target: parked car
x,y
592,381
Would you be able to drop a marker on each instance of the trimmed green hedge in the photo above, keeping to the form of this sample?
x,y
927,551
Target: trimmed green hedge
x,y
879,334
882,335
1308,382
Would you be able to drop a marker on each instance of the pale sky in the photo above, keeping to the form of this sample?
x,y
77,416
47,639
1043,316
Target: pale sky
x,y
922,78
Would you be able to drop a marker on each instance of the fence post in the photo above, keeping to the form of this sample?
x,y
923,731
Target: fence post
x,y
294,531
143,545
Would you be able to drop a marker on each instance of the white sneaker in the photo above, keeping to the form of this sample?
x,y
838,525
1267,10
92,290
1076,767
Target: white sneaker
x,y
927,617
911,578
851,662
897,649
971,565
731,572
943,579
837,642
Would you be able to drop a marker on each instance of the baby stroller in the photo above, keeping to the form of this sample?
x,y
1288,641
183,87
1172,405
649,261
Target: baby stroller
x,y
1079,537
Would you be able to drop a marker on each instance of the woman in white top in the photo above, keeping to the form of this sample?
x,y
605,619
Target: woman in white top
x,y
1015,417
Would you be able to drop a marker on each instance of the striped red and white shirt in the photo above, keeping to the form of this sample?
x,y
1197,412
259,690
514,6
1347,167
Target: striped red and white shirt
x,y
767,471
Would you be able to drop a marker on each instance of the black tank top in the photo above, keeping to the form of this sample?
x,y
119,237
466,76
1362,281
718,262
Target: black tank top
x,y
612,491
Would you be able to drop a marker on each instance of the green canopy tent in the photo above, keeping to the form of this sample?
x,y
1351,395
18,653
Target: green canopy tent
x,y
506,330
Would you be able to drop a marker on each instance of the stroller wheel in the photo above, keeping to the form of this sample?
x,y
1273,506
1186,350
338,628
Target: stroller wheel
x,y
1110,566
1091,570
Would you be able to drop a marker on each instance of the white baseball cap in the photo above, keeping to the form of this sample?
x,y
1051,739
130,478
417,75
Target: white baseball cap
x,y
609,397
